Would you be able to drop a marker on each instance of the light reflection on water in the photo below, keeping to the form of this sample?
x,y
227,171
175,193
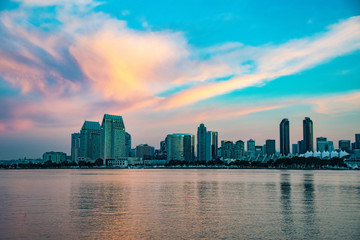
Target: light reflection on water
x,y
179,204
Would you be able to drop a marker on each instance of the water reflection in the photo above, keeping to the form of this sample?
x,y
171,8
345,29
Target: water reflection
x,y
309,217
287,225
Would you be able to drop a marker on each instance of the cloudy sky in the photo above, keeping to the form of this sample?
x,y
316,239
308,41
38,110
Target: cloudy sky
x,y
167,66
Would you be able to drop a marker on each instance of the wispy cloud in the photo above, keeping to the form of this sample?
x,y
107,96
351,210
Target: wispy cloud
x,y
85,61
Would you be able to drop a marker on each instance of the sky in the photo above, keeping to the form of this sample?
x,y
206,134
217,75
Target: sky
x,y
239,67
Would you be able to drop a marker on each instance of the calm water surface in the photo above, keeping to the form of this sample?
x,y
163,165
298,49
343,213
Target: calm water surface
x,y
179,204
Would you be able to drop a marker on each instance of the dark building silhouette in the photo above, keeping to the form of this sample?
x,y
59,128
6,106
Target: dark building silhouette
x,y
201,142
270,147
344,145
308,134
284,137
357,140
301,148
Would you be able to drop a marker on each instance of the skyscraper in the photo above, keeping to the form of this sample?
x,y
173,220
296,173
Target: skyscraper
x,y
357,140
75,146
308,134
127,144
201,142
211,145
344,145
270,147
321,144
284,137
90,141
295,149
251,147
301,147
239,149
180,147
227,149
112,137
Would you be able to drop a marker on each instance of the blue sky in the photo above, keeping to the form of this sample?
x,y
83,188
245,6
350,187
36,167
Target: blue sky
x,y
165,66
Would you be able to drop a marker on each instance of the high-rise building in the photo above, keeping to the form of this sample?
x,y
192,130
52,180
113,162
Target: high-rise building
x,y
308,134
201,142
295,149
127,144
239,149
344,145
284,137
357,140
321,144
144,151
75,147
112,137
180,147
227,149
301,147
270,147
90,141
251,147
211,146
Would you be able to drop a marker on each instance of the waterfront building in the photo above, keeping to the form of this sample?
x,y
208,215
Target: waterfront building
x,y
201,142
270,147
308,135
55,157
127,144
301,148
322,144
251,147
285,137
144,151
239,150
357,141
259,150
180,147
112,137
90,141
75,147
227,149
344,145
295,149
211,146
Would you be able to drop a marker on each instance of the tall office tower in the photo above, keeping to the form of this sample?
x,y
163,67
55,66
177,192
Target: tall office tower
x,y
180,147
357,140
127,144
295,149
75,147
321,144
344,145
239,149
112,137
189,147
301,148
227,149
201,142
144,151
270,147
90,141
211,145
308,134
251,147
284,137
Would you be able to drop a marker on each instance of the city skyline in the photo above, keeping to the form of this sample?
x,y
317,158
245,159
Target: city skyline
x,y
238,67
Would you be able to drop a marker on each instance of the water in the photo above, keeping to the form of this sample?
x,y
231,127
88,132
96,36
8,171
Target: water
x,y
179,204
